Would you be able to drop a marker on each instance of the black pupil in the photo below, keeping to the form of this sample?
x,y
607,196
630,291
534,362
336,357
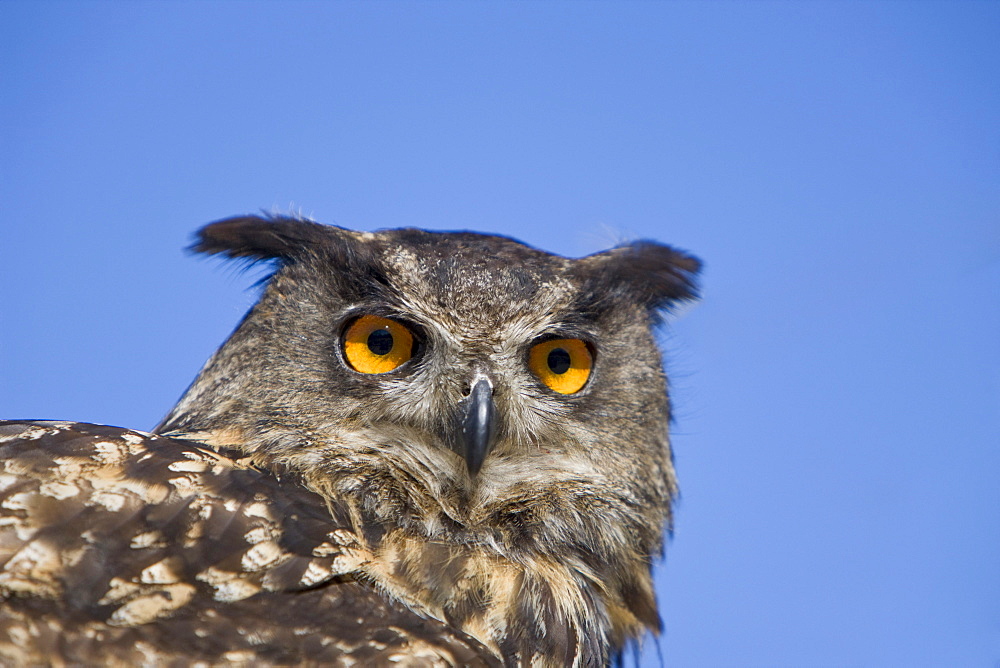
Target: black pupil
x,y
558,360
380,341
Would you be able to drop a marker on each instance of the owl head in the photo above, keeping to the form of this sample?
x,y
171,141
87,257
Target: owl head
x,y
464,387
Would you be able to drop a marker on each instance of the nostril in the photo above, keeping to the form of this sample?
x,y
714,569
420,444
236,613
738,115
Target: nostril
x,y
480,379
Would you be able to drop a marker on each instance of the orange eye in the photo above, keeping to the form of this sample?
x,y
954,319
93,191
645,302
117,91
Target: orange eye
x,y
377,345
562,364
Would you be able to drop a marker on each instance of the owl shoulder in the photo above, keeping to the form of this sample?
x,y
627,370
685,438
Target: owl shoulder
x,y
125,545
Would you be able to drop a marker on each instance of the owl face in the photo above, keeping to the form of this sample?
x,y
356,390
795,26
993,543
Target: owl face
x,y
472,360
477,343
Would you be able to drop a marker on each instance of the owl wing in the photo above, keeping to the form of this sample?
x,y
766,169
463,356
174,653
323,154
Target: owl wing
x,y
120,547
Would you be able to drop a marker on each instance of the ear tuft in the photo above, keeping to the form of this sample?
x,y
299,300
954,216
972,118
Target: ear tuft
x,y
262,237
655,275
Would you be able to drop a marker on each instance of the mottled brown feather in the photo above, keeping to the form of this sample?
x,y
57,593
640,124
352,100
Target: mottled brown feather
x,y
79,558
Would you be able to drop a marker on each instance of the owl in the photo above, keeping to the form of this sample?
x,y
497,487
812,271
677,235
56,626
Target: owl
x,y
417,448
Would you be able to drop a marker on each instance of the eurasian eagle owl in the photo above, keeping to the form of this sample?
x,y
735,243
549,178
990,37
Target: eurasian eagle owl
x,y
417,448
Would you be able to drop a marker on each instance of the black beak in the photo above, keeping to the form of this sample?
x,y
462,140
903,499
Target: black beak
x,y
479,431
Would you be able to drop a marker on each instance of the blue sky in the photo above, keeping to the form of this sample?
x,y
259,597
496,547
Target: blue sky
x,y
836,165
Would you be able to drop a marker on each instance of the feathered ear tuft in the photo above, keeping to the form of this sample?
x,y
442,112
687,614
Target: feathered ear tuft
x,y
655,275
265,238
